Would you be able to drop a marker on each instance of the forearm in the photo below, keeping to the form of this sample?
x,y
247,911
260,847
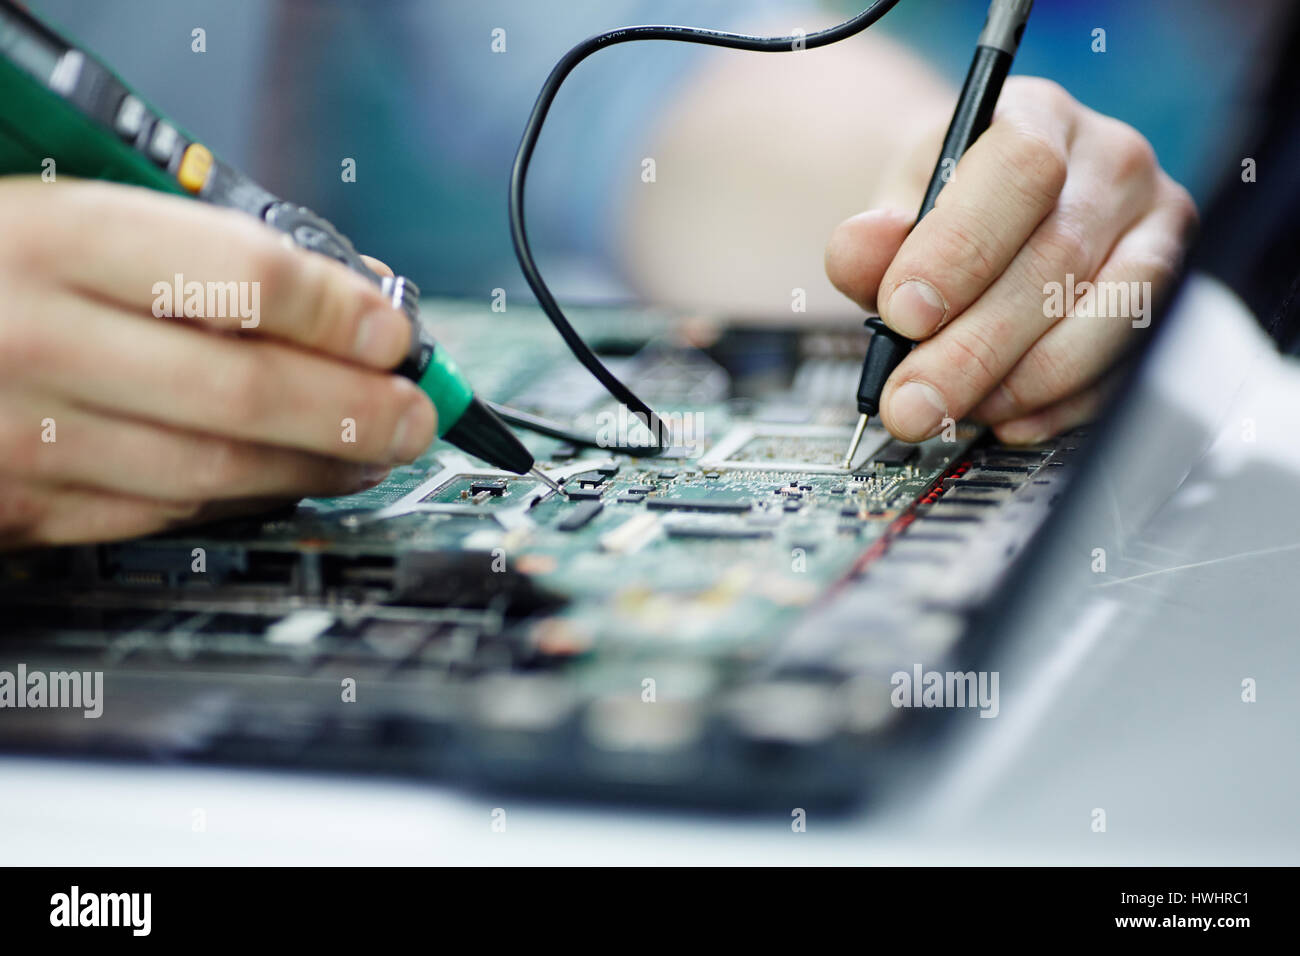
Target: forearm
x,y
756,163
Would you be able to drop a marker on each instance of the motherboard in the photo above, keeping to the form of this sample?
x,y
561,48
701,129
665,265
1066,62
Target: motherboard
x,y
717,621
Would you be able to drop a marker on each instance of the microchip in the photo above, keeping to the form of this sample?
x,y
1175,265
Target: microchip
x,y
837,489
712,474
494,487
640,489
589,478
630,498
967,482
1002,452
580,516
895,454
667,475
1009,469
699,504
955,497
928,516
731,532
583,494
608,470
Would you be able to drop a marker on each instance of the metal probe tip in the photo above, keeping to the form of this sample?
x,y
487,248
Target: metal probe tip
x,y
551,484
857,440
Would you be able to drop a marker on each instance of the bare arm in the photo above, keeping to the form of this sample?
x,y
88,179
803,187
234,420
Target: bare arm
x,y
759,160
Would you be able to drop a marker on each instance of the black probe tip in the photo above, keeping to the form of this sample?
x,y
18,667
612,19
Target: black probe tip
x,y
483,434
884,353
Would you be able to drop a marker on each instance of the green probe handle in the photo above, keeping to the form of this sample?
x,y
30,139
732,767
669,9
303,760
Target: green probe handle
x,y
426,364
57,102
463,420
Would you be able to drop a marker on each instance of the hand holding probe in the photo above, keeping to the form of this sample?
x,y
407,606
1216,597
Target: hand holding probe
x,y
58,100
994,53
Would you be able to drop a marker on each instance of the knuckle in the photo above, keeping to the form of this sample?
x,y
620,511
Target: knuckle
x,y
969,353
217,465
1184,207
375,412
239,390
964,245
1048,372
1157,266
1041,90
1133,155
22,510
35,251
275,267
23,347
317,320
1059,248
1038,166
19,448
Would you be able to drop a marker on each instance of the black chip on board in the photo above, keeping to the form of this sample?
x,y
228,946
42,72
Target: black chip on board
x,y
579,516
711,531
895,454
698,504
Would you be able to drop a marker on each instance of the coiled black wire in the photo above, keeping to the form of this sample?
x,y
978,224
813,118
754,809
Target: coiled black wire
x,y
533,129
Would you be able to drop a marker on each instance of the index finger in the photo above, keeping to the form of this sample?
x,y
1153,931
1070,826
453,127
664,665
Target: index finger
x,y
1002,189
172,256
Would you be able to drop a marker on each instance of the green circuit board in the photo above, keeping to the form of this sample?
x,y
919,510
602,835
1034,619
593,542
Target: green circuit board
x,y
712,546
761,594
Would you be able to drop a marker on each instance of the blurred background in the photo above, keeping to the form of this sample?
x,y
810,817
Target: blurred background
x,y
757,156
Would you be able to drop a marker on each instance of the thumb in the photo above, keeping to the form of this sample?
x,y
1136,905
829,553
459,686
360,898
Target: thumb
x,y
861,249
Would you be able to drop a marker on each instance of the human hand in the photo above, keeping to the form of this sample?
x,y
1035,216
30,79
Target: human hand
x,y
115,422
1052,195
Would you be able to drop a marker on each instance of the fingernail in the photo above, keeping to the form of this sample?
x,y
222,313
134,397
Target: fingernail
x,y
381,338
408,439
917,410
916,309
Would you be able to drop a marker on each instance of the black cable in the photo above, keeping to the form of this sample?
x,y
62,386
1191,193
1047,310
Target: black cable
x,y
544,426
533,129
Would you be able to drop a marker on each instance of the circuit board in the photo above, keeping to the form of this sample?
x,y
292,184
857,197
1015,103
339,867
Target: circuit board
x,y
715,545
743,573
